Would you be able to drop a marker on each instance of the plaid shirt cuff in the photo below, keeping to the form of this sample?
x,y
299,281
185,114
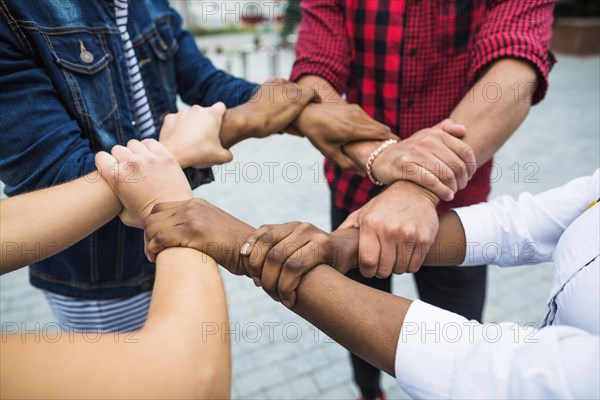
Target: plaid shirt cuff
x,y
508,45
338,77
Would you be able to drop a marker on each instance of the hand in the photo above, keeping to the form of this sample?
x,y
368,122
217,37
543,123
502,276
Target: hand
x,y
278,256
197,224
192,135
434,158
142,175
330,127
397,228
275,106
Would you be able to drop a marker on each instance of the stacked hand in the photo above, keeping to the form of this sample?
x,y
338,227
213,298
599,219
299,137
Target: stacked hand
x,y
278,255
331,126
142,174
275,105
275,256
398,227
192,135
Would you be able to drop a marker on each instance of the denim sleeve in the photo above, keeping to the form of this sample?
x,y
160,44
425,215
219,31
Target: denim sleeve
x,y
41,144
198,80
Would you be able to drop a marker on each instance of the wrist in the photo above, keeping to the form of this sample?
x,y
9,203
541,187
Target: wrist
x,y
427,194
236,126
345,243
179,155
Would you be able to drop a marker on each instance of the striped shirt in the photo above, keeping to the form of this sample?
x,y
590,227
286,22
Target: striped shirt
x,y
143,115
115,315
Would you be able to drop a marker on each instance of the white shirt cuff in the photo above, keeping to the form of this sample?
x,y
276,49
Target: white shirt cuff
x,y
426,350
480,234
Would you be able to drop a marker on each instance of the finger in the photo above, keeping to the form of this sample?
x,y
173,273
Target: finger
x,y
344,162
137,147
463,151
293,269
121,153
368,252
424,177
157,222
404,257
276,259
387,256
450,169
155,147
261,243
105,164
169,122
351,222
160,207
219,108
164,239
418,256
453,128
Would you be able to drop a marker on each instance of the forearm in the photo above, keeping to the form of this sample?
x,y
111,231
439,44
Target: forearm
x,y
235,128
323,87
169,358
363,320
40,224
187,315
495,106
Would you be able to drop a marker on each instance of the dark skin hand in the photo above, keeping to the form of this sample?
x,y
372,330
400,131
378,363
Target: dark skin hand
x,y
274,256
275,105
345,310
200,225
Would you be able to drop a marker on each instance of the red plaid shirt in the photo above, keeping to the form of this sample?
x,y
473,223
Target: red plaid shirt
x,y
408,63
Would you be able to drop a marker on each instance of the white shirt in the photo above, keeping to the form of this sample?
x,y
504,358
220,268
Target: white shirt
x,y
443,355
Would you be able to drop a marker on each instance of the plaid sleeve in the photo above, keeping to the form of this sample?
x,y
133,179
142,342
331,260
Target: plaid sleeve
x,y
517,29
323,47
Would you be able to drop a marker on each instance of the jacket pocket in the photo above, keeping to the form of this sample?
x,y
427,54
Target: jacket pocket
x,y
84,60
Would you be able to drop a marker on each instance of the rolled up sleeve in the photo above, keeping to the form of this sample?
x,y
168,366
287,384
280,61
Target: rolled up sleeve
x,y
516,29
323,47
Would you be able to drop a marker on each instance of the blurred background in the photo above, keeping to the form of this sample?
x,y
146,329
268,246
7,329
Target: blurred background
x,y
279,179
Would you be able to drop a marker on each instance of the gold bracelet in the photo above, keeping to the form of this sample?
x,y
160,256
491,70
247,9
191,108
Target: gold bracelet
x,y
373,157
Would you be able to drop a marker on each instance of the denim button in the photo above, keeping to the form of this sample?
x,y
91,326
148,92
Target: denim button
x,y
86,57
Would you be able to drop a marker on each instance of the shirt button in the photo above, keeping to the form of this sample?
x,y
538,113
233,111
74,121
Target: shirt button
x,y
86,57
413,52
132,123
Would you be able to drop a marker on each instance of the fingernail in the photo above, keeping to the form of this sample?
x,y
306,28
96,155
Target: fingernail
x,y
245,249
286,303
256,281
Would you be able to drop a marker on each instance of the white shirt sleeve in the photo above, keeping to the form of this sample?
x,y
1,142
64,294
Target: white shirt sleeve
x,y
509,232
443,355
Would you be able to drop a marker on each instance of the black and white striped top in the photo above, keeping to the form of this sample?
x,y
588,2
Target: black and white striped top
x,y
143,114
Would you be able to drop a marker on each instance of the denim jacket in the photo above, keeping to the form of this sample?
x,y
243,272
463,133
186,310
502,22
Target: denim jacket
x,y
58,107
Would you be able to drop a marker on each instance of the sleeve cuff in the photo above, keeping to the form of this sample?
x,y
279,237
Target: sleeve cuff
x,y
426,350
337,78
487,51
478,221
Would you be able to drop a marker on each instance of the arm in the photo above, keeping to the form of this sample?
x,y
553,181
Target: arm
x,y
167,358
389,331
48,219
67,213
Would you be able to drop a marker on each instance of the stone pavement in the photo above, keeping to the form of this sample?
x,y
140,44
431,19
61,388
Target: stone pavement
x,y
278,355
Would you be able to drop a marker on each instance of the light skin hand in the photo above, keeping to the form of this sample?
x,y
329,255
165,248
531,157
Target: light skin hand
x,y
434,158
397,229
142,174
192,136
277,256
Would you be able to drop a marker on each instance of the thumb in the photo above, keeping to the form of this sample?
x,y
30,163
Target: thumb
x,y
351,222
219,108
105,163
453,128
